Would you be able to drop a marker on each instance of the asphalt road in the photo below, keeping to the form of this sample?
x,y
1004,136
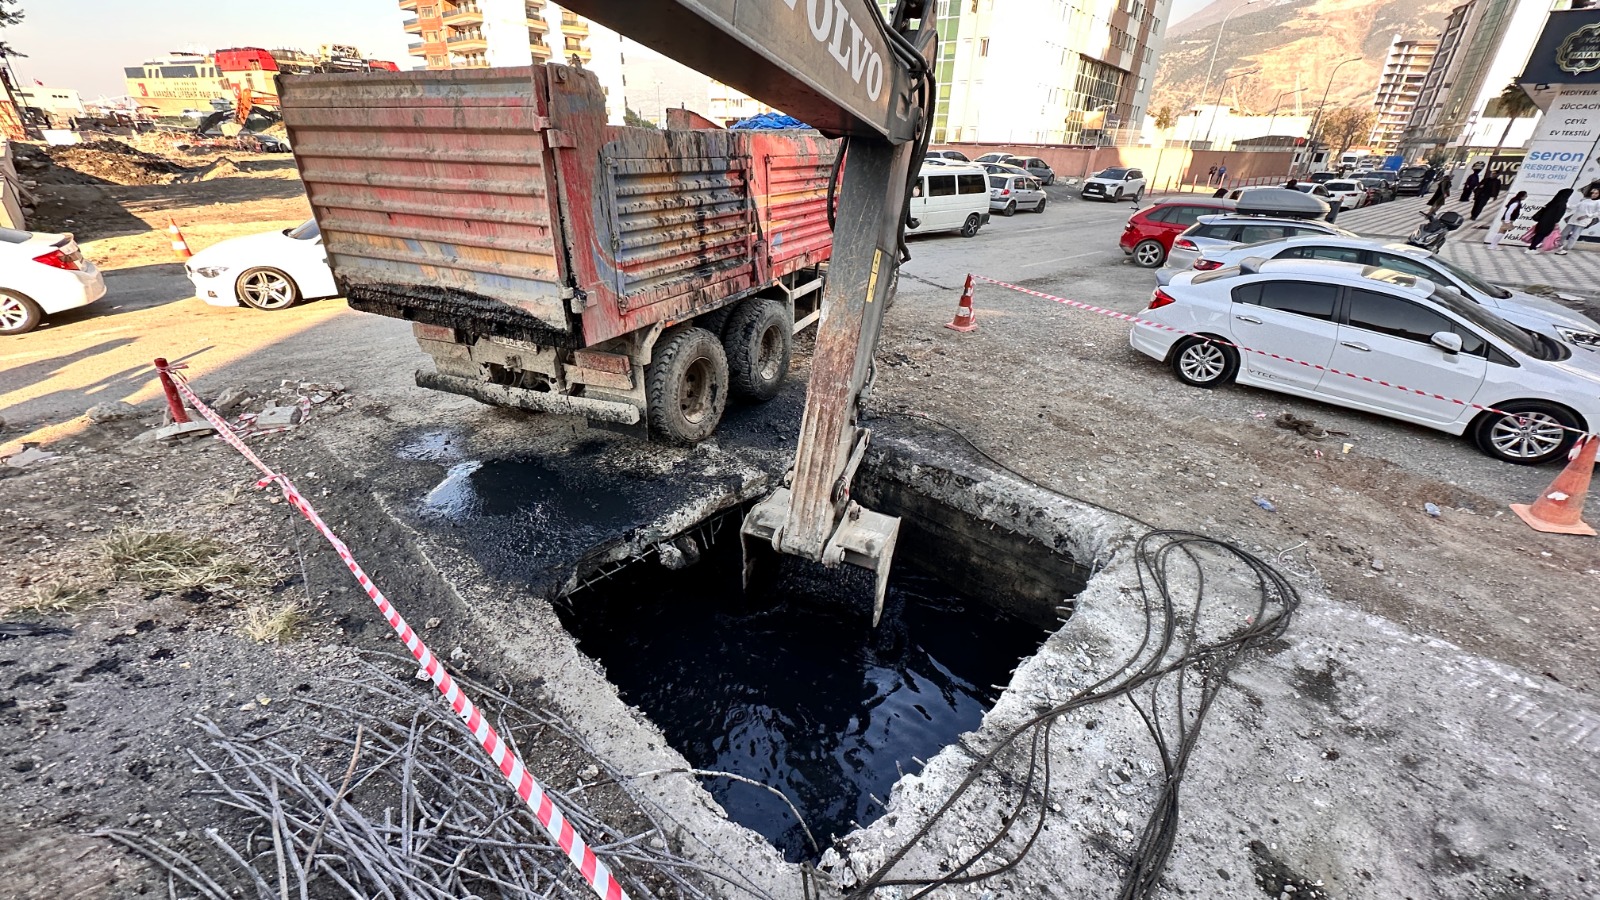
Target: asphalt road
x,y
103,353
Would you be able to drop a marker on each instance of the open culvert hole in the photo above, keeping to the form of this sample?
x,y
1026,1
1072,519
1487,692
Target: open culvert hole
x,y
790,686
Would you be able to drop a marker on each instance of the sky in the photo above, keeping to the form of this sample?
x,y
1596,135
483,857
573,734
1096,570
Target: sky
x,y
85,44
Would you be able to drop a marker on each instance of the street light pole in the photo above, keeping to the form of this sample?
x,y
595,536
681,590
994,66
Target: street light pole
x,y
1316,121
1279,102
1220,88
1216,45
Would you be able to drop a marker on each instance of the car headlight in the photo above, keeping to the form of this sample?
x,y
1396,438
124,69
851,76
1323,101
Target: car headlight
x,y
211,271
1574,336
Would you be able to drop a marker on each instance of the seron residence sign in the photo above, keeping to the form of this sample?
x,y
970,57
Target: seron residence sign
x,y
1580,51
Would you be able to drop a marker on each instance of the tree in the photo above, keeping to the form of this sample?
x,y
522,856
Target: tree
x,y
634,120
1165,119
1344,126
1514,103
9,16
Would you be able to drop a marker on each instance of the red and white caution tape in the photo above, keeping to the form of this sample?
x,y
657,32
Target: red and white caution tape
x,y
555,824
1100,310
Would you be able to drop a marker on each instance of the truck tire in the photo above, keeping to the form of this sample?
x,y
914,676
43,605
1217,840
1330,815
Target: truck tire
x,y
759,339
714,321
686,386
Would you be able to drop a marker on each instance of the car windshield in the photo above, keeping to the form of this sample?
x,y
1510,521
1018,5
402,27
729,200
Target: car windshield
x,y
307,232
1113,172
1469,279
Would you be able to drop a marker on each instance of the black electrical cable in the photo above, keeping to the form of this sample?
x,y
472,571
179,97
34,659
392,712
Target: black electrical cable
x,y
1149,664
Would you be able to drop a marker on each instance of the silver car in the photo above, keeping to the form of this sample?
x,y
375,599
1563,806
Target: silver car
x,y
1517,307
1217,234
1008,193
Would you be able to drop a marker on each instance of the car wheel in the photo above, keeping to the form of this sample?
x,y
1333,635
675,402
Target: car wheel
x,y
1117,195
1010,210
759,340
1149,253
1040,207
1527,432
268,289
18,314
686,386
1050,181
970,227
1204,362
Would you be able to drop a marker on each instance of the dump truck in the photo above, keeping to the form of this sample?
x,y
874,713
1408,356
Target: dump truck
x,y
551,262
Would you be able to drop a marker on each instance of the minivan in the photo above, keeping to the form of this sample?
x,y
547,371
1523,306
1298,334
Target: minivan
x,y
949,198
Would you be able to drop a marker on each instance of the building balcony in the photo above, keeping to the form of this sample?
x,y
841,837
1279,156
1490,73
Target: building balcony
x,y
537,28
408,4
416,50
541,52
462,43
412,26
462,14
571,24
475,61
581,53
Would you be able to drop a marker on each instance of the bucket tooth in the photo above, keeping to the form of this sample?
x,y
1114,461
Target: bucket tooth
x,y
862,538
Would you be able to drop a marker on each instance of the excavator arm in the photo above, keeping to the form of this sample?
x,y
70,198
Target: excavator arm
x,y
840,67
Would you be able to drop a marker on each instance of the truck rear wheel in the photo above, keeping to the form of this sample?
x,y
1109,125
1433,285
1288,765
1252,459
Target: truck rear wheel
x,y
759,339
687,386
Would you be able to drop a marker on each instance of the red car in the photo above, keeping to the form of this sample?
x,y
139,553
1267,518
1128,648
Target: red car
x,y
1149,235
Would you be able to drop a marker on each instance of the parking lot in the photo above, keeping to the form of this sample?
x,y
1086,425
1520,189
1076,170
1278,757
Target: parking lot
x,y
1052,392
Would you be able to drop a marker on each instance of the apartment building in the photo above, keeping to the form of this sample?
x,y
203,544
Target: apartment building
x,y
1484,45
1045,71
457,34
1399,85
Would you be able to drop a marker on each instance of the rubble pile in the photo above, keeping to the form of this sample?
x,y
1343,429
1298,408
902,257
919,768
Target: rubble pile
x,y
115,162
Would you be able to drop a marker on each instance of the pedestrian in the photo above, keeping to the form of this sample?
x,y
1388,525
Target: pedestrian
x,y
1548,218
1222,173
1211,175
1508,220
1485,193
1583,215
1471,183
1292,184
1441,193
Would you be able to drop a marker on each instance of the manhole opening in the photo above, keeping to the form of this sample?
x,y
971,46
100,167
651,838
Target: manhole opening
x,y
789,686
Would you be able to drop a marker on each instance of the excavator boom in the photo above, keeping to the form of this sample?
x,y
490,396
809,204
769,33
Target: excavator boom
x,y
840,67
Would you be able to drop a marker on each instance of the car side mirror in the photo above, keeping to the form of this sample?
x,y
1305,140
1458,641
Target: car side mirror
x,y
1448,341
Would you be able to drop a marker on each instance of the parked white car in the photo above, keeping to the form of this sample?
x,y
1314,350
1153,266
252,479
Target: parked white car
x,y
1301,319
1517,307
1114,183
1348,194
42,274
268,271
949,198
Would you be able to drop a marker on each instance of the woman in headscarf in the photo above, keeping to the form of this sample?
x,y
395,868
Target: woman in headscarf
x,y
1485,193
1470,185
1549,218
1584,215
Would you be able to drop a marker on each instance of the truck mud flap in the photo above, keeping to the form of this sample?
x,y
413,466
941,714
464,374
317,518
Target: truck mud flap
x,y
533,401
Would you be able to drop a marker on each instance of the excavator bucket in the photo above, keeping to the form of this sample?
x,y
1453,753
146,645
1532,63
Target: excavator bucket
x,y
863,538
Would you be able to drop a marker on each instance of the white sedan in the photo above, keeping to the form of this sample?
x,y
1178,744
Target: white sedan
x,y
1284,325
41,274
1348,194
1517,307
268,271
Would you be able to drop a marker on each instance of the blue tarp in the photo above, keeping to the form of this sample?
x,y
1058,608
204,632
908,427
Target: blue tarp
x,y
769,121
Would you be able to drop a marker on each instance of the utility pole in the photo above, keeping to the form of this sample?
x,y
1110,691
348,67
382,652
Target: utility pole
x,y
1214,106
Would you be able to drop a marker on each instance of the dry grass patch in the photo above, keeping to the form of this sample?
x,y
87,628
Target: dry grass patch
x,y
179,563
56,597
280,623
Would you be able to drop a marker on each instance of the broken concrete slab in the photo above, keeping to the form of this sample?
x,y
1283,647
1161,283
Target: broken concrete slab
x,y
279,417
173,431
30,455
111,411
230,400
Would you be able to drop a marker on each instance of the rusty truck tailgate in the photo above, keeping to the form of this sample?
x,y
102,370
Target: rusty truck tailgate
x,y
434,192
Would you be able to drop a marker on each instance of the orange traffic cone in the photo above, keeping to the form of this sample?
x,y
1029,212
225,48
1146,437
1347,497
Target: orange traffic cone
x,y
179,245
1559,510
965,320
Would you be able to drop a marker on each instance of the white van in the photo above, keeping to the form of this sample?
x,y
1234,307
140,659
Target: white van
x,y
949,198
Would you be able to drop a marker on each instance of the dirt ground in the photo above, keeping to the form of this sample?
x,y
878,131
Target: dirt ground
x,y
95,722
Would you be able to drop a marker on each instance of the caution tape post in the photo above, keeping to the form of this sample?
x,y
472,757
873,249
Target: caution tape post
x,y
549,816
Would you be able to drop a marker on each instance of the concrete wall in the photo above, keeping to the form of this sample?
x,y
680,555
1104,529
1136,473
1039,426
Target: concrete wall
x,y
1173,165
